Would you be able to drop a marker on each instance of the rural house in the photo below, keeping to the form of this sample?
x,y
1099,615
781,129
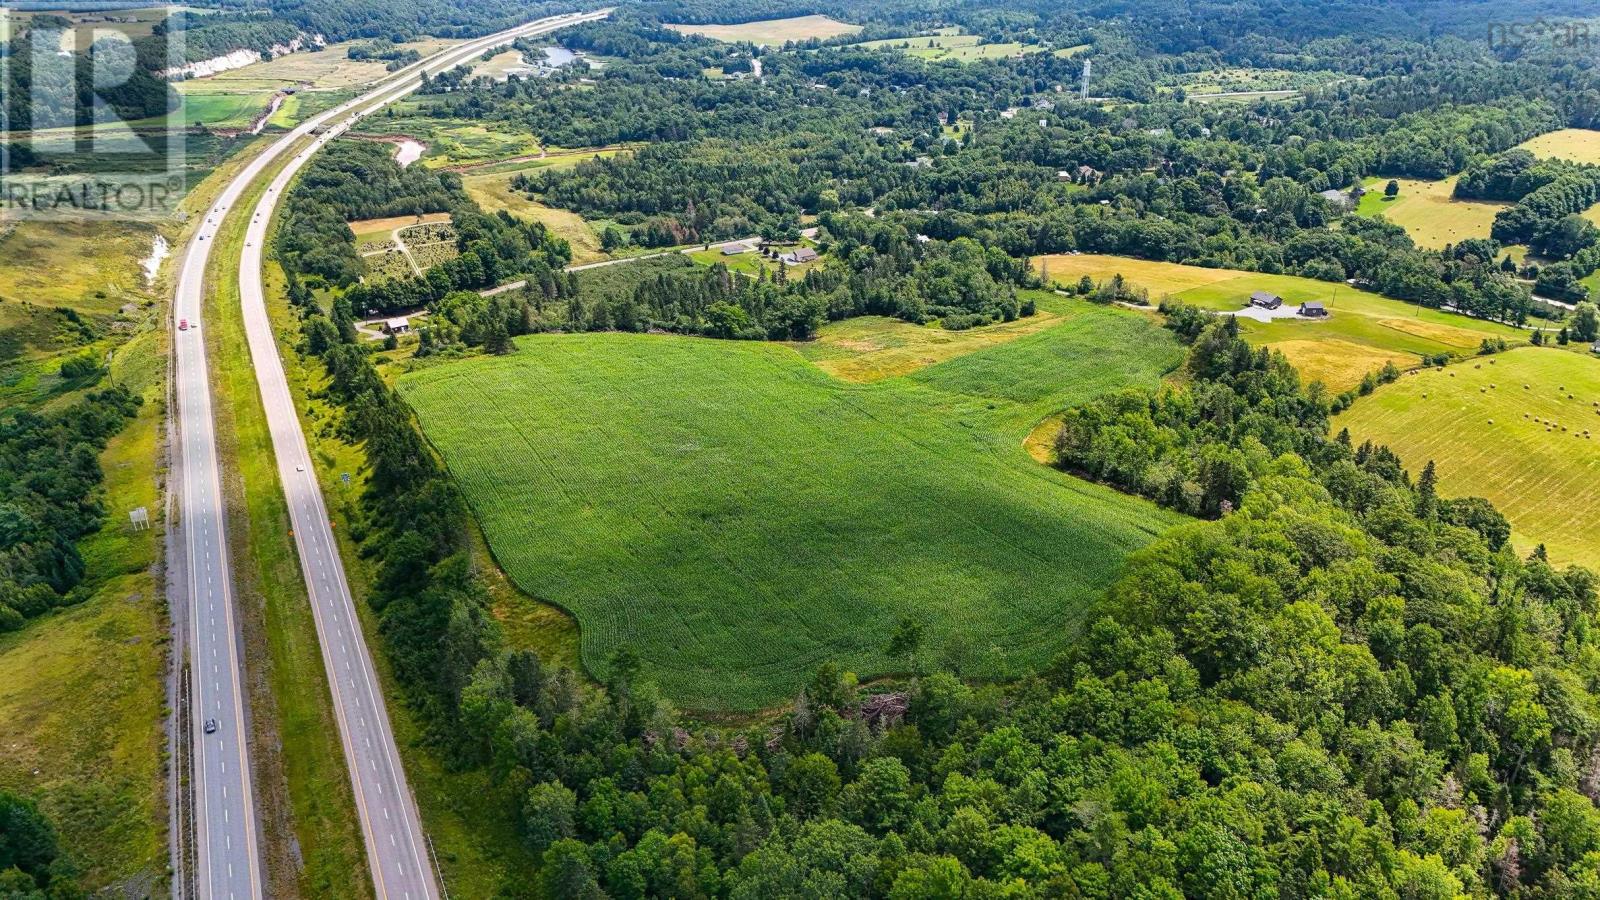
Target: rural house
x,y
1313,309
1265,300
1337,198
397,325
799,255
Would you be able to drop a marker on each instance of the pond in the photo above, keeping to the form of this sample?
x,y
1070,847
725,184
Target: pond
x,y
408,151
556,57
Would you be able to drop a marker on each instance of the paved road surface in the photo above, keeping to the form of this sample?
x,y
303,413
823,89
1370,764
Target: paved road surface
x,y
396,848
227,854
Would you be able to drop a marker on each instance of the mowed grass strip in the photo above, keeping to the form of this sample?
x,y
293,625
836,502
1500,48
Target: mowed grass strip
x,y
1369,328
1541,469
737,517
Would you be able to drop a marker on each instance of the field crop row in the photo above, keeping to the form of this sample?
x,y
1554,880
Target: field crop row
x,y
737,516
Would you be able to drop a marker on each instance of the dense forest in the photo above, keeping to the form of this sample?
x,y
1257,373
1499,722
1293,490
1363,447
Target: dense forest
x,y
993,151
49,476
31,864
880,269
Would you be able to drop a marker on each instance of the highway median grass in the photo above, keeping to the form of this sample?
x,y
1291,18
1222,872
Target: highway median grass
x,y
737,516
313,844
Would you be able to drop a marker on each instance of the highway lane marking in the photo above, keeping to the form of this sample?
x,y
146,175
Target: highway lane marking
x,y
273,366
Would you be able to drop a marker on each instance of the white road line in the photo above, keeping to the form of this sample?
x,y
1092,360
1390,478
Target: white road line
x,y
313,538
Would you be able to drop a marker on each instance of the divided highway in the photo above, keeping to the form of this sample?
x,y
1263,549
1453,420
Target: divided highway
x,y
227,852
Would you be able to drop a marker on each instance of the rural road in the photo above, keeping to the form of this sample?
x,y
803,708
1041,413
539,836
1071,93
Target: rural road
x,y
227,853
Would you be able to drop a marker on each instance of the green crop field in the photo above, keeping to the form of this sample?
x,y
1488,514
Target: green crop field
x,y
737,516
1364,330
205,104
1521,428
1428,211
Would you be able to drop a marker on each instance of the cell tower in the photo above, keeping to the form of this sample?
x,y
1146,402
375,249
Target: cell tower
x,y
1083,92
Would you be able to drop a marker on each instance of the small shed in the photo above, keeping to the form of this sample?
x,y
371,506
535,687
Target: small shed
x,y
1265,300
397,325
1313,309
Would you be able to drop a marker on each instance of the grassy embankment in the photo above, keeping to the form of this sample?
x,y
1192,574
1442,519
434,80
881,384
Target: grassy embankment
x,y
82,691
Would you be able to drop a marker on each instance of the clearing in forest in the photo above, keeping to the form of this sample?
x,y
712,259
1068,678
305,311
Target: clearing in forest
x,y
1521,428
1429,212
1370,328
737,516
949,45
775,32
1579,145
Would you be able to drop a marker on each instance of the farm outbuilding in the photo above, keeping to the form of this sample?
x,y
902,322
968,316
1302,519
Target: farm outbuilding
x,y
1313,309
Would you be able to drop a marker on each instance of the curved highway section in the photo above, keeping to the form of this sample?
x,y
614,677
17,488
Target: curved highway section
x,y
227,854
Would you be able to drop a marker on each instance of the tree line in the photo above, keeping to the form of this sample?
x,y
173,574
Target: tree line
x,y
1344,685
49,478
